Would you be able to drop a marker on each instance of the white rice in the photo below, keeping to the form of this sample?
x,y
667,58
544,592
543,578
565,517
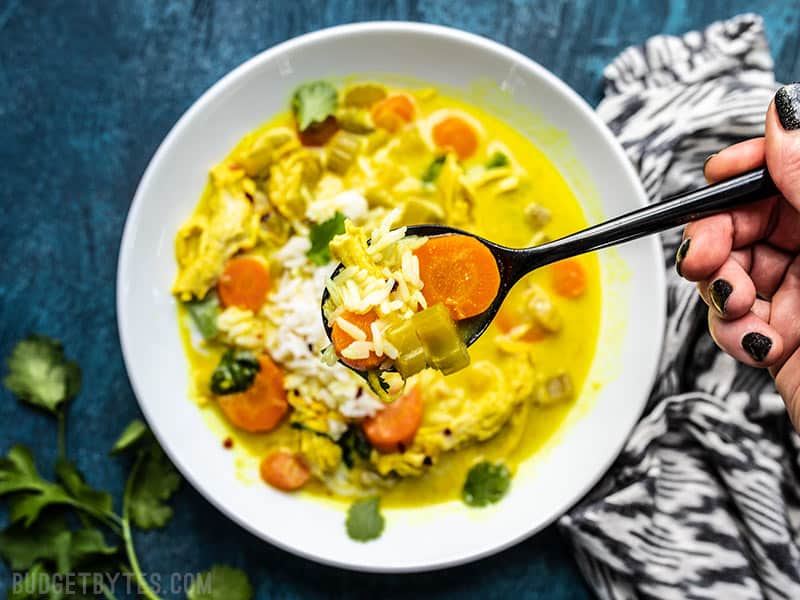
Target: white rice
x,y
358,350
354,332
295,338
241,328
350,203
396,293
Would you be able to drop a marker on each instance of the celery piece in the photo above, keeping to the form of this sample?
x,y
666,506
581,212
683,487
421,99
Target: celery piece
x,y
342,151
411,363
443,345
403,336
364,95
454,361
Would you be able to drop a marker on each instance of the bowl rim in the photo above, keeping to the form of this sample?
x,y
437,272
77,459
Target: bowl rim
x,y
330,33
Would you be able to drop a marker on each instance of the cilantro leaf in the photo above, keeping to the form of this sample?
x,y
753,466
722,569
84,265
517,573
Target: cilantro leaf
x,y
75,548
204,314
235,372
364,520
89,497
21,547
431,174
313,103
18,474
498,159
220,583
51,540
152,483
40,374
133,433
486,484
153,480
321,235
354,443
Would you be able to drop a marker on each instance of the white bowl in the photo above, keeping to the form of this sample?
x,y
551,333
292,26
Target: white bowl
x,y
587,156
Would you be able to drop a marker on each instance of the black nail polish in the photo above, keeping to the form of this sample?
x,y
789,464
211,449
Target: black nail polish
x,y
720,290
787,103
757,345
681,254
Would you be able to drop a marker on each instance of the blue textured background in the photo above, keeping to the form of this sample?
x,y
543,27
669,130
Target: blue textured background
x,y
89,89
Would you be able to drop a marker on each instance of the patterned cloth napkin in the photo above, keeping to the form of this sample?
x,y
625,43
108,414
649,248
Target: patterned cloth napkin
x,y
704,501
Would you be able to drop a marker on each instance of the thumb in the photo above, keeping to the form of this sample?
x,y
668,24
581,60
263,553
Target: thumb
x,y
783,142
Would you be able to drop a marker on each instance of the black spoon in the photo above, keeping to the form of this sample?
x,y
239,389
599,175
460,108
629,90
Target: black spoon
x,y
514,263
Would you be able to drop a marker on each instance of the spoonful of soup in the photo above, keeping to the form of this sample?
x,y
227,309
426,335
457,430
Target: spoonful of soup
x,y
415,297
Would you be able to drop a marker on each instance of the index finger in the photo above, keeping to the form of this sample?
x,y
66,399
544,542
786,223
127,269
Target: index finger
x,y
712,239
735,159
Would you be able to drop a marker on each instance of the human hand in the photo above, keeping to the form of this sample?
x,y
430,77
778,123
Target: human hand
x,y
746,262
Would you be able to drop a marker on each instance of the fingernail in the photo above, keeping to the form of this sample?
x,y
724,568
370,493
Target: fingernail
x,y
710,156
787,103
757,345
720,290
681,254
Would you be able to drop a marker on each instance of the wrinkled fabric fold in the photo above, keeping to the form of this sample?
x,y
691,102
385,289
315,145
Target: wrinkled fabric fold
x,y
704,500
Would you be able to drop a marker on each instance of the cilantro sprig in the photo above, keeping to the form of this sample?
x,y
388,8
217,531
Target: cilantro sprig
x,y
226,583
364,519
320,237
63,525
235,372
314,102
486,484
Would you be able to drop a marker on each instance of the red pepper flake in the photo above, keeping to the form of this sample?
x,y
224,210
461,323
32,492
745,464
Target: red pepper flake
x,y
227,443
234,167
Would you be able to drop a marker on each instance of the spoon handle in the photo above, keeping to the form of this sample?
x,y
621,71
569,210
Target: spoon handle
x,y
672,212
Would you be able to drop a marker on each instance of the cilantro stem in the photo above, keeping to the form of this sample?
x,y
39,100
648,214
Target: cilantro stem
x,y
147,591
107,592
62,434
109,519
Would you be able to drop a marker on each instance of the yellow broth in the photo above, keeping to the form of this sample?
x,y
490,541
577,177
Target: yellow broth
x,y
502,220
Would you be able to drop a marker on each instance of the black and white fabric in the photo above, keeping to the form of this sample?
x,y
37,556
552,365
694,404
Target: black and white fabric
x,y
704,501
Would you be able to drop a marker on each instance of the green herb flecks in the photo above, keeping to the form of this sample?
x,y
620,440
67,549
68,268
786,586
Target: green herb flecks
x,y
314,102
320,237
204,313
486,484
498,159
354,444
235,372
364,520
433,170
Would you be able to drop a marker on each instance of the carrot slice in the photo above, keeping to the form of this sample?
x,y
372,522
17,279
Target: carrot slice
x,y
341,340
455,134
459,272
393,429
244,282
393,112
261,406
284,470
568,278
318,134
